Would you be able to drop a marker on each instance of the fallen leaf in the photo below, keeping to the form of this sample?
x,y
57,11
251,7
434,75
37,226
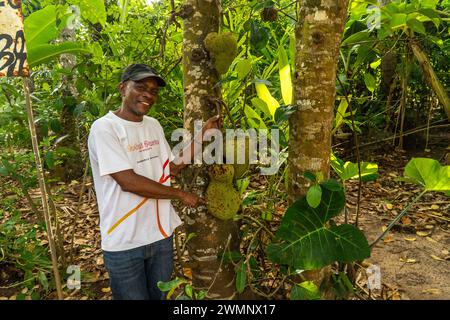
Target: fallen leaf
x,y
406,221
431,291
410,239
434,207
423,233
389,206
431,239
409,260
99,261
388,238
445,252
187,273
106,290
437,258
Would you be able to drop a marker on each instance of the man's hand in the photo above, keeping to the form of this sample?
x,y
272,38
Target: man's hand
x,y
190,199
211,123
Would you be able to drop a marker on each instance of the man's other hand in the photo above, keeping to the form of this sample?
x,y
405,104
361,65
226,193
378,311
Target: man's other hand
x,y
212,123
191,200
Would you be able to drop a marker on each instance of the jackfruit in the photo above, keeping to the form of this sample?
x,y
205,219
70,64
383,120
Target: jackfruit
x,y
221,173
223,201
269,14
222,49
240,168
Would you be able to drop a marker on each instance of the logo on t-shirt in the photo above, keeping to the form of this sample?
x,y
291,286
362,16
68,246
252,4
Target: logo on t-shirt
x,y
142,146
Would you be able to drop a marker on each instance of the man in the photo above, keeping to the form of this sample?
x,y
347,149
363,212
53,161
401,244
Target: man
x,y
131,165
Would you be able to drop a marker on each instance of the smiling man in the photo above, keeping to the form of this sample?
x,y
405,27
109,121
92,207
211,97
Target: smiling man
x,y
131,165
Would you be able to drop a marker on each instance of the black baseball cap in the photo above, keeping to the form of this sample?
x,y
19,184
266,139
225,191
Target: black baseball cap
x,y
139,71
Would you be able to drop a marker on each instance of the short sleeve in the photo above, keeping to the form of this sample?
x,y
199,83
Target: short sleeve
x,y
108,152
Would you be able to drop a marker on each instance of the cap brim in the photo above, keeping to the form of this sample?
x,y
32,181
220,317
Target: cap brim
x,y
144,75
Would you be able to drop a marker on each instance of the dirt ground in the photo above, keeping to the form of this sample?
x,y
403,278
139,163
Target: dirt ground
x,y
414,257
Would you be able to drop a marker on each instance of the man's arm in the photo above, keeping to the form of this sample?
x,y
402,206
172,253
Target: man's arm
x,y
132,182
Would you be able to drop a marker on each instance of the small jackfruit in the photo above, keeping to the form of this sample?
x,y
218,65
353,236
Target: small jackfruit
x,y
222,49
240,168
269,14
223,201
221,172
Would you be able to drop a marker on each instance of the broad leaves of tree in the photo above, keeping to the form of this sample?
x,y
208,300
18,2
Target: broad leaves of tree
x,y
429,173
305,241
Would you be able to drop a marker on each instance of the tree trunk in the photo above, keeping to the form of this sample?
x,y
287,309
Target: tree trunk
x,y
212,235
430,76
318,36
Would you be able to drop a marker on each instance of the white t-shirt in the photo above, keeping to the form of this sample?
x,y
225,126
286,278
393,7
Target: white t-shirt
x,y
128,220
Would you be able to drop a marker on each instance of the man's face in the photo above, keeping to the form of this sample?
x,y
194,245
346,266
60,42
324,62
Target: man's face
x,y
139,96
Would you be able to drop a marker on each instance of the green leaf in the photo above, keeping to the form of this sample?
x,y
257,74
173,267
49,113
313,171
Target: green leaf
x,y
398,20
304,241
429,3
349,170
428,173
188,290
310,176
283,113
262,106
285,76
306,290
253,119
4,171
259,36
43,25
356,37
46,52
370,82
241,277
172,284
50,159
92,10
314,195
416,26
243,67
340,114
332,185
264,95
43,280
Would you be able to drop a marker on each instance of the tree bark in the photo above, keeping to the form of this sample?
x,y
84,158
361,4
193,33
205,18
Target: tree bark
x,y
318,36
430,76
199,77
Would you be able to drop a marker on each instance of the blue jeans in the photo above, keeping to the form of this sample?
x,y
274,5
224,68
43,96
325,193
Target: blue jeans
x,y
134,273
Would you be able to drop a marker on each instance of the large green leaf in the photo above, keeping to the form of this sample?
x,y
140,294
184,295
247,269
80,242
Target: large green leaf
x,y
306,290
92,10
304,241
429,173
349,170
46,52
43,25
264,94
285,76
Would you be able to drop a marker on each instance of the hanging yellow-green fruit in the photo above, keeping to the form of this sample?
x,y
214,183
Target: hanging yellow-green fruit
x,y
241,144
221,172
269,14
223,201
222,49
